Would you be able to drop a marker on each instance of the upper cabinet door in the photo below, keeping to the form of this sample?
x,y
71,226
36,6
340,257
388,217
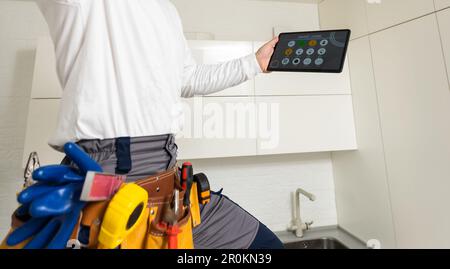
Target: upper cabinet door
x,y
444,26
294,83
45,80
386,13
299,124
440,4
348,14
41,125
46,83
213,52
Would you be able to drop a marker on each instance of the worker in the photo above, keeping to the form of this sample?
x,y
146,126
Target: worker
x,y
124,66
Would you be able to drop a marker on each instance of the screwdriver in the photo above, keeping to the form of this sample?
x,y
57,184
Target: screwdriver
x,y
187,177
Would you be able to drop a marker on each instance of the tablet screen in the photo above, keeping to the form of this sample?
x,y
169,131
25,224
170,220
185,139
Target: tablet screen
x,y
319,51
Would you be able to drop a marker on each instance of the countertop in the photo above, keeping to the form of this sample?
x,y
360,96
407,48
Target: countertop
x,y
330,231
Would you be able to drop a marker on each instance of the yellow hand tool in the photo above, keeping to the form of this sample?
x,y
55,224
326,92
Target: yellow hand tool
x,y
203,188
124,213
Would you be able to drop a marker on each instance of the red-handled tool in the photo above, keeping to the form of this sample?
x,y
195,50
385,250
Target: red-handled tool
x,y
187,177
170,221
172,234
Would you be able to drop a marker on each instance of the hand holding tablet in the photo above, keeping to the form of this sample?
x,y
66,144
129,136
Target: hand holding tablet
x,y
319,51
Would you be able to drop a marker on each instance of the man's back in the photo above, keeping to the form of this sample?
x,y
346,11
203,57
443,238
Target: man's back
x,y
120,64
124,64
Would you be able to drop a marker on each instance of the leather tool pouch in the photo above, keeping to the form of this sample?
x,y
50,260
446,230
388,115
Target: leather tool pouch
x,y
157,237
151,234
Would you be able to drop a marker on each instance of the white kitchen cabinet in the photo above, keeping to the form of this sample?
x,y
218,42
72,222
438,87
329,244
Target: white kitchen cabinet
x,y
360,177
440,4
386,13
192,141
444,26
348,14
213,52
222,129
41,125
45,80
414,103
293,124
46,83
203,138
294,83
228,127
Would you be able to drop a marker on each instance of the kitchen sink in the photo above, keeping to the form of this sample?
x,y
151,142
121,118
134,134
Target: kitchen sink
x,y
322,243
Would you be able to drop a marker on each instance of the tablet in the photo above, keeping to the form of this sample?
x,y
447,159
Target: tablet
x,y
318,51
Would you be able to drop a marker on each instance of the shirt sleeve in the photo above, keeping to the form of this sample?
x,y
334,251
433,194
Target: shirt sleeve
x,y
201,79
66,29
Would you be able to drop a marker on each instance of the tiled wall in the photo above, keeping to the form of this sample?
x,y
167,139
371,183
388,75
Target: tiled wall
x,y
262,185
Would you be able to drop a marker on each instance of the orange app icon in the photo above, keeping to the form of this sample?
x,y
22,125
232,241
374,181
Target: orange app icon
x,y
312,43
288,52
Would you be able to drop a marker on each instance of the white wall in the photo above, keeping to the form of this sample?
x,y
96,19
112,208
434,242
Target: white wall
x,y
20,25
245,19
395,187
262,185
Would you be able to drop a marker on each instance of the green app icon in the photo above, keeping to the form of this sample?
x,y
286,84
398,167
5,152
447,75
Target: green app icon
x,y
302,43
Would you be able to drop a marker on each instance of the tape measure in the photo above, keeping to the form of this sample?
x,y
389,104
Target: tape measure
x,y
124,213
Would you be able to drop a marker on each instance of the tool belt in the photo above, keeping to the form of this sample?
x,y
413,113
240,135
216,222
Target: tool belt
x,y
149,229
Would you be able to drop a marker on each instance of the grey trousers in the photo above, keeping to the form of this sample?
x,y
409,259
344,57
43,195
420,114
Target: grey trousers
x,y
225,225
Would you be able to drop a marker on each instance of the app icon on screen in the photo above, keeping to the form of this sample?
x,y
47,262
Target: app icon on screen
x,y
312,43
285,61
324,42
302,43
318,61
288,52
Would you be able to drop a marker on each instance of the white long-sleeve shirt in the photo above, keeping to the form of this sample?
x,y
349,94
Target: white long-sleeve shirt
x,y
124,66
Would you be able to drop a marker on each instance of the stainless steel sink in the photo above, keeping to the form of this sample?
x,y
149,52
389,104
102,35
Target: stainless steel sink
x,y
322,243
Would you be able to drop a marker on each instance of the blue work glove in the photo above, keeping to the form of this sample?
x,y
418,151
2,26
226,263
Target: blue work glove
x,y
52,206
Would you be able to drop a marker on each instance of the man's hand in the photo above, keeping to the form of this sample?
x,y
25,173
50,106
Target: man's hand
x,y
264,54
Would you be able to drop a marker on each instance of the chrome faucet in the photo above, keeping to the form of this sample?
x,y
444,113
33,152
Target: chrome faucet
x,y
297,225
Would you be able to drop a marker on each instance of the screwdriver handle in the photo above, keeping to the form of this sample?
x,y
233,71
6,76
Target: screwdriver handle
x,y
187,177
